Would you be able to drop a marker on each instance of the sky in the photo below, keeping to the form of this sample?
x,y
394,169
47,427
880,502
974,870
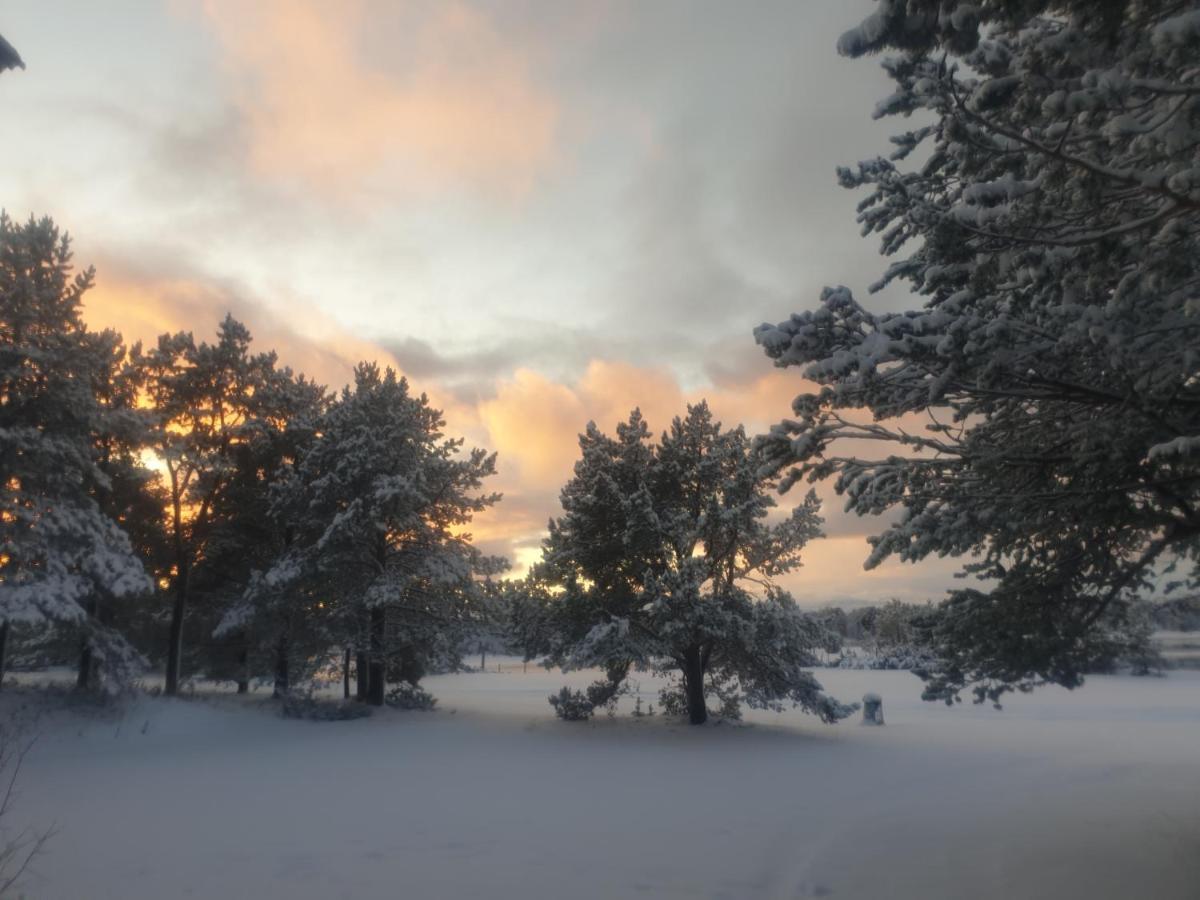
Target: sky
x,y
541,212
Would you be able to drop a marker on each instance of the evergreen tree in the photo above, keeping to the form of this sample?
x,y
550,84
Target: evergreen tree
x,y
58,549
255,636
1052,225
379,502
209,399
129,497
649,564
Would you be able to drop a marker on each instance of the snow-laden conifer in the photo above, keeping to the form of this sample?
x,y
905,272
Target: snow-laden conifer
x,y
378,505
653,564
59,551
209,399
1043,405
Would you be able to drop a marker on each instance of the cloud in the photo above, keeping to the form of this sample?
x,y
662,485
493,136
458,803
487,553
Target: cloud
x,y
331,103
144,301
532,420
833,574
535,422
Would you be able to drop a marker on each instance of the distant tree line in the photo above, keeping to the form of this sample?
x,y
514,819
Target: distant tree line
x,y
200,506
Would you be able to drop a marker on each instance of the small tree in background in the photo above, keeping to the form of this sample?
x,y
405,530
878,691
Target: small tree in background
x,y
649,567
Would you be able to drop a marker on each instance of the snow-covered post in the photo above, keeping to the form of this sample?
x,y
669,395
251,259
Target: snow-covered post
x,y
872,709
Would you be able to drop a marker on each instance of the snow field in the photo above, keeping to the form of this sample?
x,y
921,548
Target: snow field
x,y
1091,794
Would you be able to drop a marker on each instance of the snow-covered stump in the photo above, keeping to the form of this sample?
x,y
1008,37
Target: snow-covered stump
x,y
872,709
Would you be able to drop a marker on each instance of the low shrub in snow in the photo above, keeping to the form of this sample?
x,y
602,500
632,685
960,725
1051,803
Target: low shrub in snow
x,y
409,696
572,706
305,706
576,706
903,657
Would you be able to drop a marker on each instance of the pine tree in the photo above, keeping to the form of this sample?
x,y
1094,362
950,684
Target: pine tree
x,y
58,548
256,636
1052,225
379,502
128,498
209,399
649,564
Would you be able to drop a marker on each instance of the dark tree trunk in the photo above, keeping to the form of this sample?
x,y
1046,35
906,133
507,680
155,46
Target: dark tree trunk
x,y
175,649
84,680
376,670
244,678
482,659
693,684
346,674
360,674
3,650
281,669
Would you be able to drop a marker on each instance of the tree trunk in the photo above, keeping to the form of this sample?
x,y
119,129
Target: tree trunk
x,y
3,650
175,649
360,674
693,684
376,670
281,669
84,679
482,658
243,684
346,673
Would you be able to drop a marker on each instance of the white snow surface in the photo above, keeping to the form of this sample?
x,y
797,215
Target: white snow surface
x,y
1087,794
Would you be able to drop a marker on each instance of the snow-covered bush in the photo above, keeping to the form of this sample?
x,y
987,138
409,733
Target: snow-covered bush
x,y
302,705
572,706
409,696
575,706
904,657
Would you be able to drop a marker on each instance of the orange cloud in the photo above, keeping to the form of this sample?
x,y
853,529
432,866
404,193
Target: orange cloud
x,y
141,307
833,573
454,101
535,423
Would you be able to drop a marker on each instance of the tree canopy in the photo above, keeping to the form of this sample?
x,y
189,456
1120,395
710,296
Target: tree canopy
x,y
651,564
1046,206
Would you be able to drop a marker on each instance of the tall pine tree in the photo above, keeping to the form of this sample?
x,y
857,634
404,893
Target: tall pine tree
x,y
59,551
379,502
209,399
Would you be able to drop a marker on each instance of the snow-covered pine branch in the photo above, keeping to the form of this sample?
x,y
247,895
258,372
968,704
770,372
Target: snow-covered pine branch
x,y
1047,208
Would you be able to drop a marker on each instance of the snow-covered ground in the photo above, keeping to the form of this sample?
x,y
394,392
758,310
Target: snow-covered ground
x,y
1091,794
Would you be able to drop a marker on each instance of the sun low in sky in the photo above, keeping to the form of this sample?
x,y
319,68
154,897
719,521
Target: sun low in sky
x,y
541,213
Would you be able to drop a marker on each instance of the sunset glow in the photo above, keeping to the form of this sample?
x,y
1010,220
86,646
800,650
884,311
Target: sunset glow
x,y
541,216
